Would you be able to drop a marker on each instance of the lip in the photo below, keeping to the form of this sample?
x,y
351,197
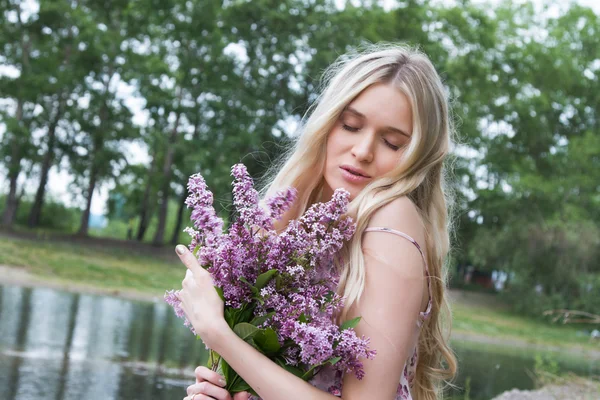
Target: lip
x,y
353,179
355,170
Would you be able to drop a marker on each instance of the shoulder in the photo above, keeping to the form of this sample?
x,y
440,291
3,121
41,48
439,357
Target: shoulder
x,y
400,214
387,252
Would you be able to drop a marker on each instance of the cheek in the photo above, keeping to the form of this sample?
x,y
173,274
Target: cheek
x,y
336,142
333,146
388,164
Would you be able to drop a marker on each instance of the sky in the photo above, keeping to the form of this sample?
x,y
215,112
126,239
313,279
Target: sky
x,y
59,181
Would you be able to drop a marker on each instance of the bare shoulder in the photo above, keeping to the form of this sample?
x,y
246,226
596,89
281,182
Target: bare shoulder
x,y
402,215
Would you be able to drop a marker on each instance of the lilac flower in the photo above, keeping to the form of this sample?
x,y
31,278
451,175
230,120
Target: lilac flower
x,y
279,203
245,199
299,302
205,220
172,299
351,348
315,343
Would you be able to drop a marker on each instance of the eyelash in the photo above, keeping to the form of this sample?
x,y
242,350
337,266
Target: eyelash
x,y
352,129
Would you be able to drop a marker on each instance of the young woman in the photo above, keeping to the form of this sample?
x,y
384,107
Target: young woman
x,y
381,130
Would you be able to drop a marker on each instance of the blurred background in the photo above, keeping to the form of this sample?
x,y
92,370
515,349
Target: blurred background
x,y
106,108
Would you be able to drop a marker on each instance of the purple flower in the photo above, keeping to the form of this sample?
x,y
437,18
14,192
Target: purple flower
x,y
208,225
172,299
315,343
299,302
351,349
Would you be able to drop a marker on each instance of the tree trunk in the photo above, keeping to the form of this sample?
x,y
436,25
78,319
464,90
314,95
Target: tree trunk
x,y
145,209
36,209
164,197
179,222
10,210
85,217
166,175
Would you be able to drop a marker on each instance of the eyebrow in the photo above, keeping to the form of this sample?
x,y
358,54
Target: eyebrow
x,y
387,128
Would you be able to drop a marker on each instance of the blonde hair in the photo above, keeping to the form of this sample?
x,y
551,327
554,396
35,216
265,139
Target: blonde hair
x,y
419,175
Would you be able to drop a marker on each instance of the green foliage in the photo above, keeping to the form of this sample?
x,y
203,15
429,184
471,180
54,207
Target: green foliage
x,y
55,217
545,364
524,90
117,228
351,323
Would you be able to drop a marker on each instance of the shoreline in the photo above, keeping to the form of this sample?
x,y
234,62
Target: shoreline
x,y
18,276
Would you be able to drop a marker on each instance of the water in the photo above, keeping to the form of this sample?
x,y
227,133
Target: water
x,y
64,346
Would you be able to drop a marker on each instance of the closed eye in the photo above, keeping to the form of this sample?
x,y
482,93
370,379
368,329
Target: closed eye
x,y
350,128
391,146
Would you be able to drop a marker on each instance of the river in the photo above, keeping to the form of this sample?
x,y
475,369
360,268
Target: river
x,y
65,346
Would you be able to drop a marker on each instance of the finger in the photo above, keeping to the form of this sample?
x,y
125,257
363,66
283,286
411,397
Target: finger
x,y
241,396
189,260
198,397
206,374
208,389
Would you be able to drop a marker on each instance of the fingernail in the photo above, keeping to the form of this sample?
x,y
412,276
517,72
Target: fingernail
x,y
222,382
180,249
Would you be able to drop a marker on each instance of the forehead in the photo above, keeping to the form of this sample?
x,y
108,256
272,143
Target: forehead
x,y
384,106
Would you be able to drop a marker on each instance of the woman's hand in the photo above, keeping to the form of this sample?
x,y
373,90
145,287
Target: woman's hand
x,y
209,385
199,299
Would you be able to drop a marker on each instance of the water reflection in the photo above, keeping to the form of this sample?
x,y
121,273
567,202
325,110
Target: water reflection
x,y
64,346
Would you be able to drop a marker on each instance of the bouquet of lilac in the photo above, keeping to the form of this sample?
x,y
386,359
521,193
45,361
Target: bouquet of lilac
x,y
278,289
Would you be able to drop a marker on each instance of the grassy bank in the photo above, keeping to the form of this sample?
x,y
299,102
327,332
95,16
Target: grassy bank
x,y
131,266
92,262
484,315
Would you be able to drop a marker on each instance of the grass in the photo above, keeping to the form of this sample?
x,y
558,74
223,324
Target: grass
x,y
104,266
486,315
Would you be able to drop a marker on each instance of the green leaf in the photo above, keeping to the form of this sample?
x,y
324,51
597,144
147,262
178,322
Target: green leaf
x,y
351,323
230,315
226,370
261,319
195,251
333,360
294,370
245,330
278,282
302,318
254,289
220,293
246,313
239,386
267,341
310,373
263,279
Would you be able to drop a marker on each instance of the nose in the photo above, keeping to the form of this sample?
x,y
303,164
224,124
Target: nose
x,y
362,149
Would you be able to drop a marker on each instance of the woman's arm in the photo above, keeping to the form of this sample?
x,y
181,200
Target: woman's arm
x,y
395,292
268,379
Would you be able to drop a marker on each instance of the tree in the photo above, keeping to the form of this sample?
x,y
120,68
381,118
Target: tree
x,y
19,38
59,21
536,206
99,127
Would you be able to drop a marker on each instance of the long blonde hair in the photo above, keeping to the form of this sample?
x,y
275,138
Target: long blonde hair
x,y
419,175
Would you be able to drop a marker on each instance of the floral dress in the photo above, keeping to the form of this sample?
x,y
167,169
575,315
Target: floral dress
x,y
330,380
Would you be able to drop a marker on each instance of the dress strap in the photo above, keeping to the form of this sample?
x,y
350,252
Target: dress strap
x,y
422,314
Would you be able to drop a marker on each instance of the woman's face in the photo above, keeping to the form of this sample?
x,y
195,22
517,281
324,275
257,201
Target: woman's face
x,y
368,139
